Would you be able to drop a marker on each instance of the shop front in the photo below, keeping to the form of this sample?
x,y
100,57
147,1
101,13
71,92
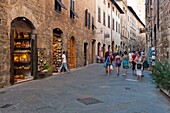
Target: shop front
x,y
57,48
23,44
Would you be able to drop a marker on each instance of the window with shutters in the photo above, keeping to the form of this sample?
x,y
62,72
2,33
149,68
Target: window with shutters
x,y
99,15
113,9
118,28
108,5
57,6
113,24
93,23
71,7
86,14
104,17
108,21
88,20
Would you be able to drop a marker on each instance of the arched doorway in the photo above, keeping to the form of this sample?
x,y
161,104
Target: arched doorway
x,y
109,48
93,51
104,50
57,48
85,53
113,49
23,44
72,52
98,49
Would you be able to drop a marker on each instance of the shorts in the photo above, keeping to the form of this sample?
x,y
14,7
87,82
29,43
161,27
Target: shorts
x,y
133,65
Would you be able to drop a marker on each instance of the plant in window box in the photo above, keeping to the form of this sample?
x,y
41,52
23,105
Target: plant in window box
x,y
47,68
161,75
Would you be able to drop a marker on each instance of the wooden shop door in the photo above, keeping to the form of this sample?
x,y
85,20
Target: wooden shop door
x,y
72,53
93,51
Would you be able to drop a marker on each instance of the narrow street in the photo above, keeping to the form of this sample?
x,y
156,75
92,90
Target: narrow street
x,y
64,93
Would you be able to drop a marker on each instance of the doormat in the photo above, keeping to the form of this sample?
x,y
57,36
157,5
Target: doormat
x,y
89,101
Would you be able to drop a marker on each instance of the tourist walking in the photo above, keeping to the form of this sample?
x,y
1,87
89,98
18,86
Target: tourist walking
x,y
118,63
64,63
133,62
125,61
139,65
107,62
130,58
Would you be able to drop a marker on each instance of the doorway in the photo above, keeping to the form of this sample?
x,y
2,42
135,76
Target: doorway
x,y
98,49
104,50
85,53
57,49
72,52
23,44
93,51
113,49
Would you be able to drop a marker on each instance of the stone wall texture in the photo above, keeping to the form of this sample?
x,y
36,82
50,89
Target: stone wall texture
x,y
164,31
43,16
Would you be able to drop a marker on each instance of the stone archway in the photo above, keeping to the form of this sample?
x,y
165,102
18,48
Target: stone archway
x,y
25,12
98,49
23,44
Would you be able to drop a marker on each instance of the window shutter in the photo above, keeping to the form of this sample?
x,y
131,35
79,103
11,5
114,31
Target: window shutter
x,y
86,14
92,23
89,21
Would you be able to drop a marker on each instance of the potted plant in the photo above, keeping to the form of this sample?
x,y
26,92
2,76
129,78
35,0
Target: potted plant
x,y
47,68
161,76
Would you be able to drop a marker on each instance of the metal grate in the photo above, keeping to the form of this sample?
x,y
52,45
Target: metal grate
x,y
6,106
89,101
127,88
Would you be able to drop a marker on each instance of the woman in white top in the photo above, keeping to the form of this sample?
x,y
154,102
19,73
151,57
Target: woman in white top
x,y
139,65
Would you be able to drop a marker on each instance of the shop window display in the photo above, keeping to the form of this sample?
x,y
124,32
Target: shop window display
x,y
57,51
22,56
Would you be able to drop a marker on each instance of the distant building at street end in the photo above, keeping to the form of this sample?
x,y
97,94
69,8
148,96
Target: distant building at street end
x,y
136,31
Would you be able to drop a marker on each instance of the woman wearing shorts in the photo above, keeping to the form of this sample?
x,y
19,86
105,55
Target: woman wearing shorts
x,y
118,63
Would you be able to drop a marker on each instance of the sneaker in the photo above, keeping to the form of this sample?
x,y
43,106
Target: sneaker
x,y
124,75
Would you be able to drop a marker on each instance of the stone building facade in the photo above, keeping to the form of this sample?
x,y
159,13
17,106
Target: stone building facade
x,y
108,26
124,25
46,18
136,37
163,41
157,27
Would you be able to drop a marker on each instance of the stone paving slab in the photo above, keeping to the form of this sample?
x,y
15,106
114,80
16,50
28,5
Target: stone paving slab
x,y
59,94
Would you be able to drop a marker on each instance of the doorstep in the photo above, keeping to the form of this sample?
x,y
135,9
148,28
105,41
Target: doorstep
x,y
165,93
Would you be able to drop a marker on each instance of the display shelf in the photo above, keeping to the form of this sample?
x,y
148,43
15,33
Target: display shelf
x,y
18,39
23,69
22,56
22,48
21,52
23,80
57,52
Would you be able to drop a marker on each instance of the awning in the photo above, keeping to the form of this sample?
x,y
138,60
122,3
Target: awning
x,y
74,13
61,4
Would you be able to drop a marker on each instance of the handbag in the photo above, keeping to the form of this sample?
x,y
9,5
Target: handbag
x,y
139,66
105,63
111,67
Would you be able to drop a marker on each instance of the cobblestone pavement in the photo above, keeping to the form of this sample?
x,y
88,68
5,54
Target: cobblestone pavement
x,y
64,93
